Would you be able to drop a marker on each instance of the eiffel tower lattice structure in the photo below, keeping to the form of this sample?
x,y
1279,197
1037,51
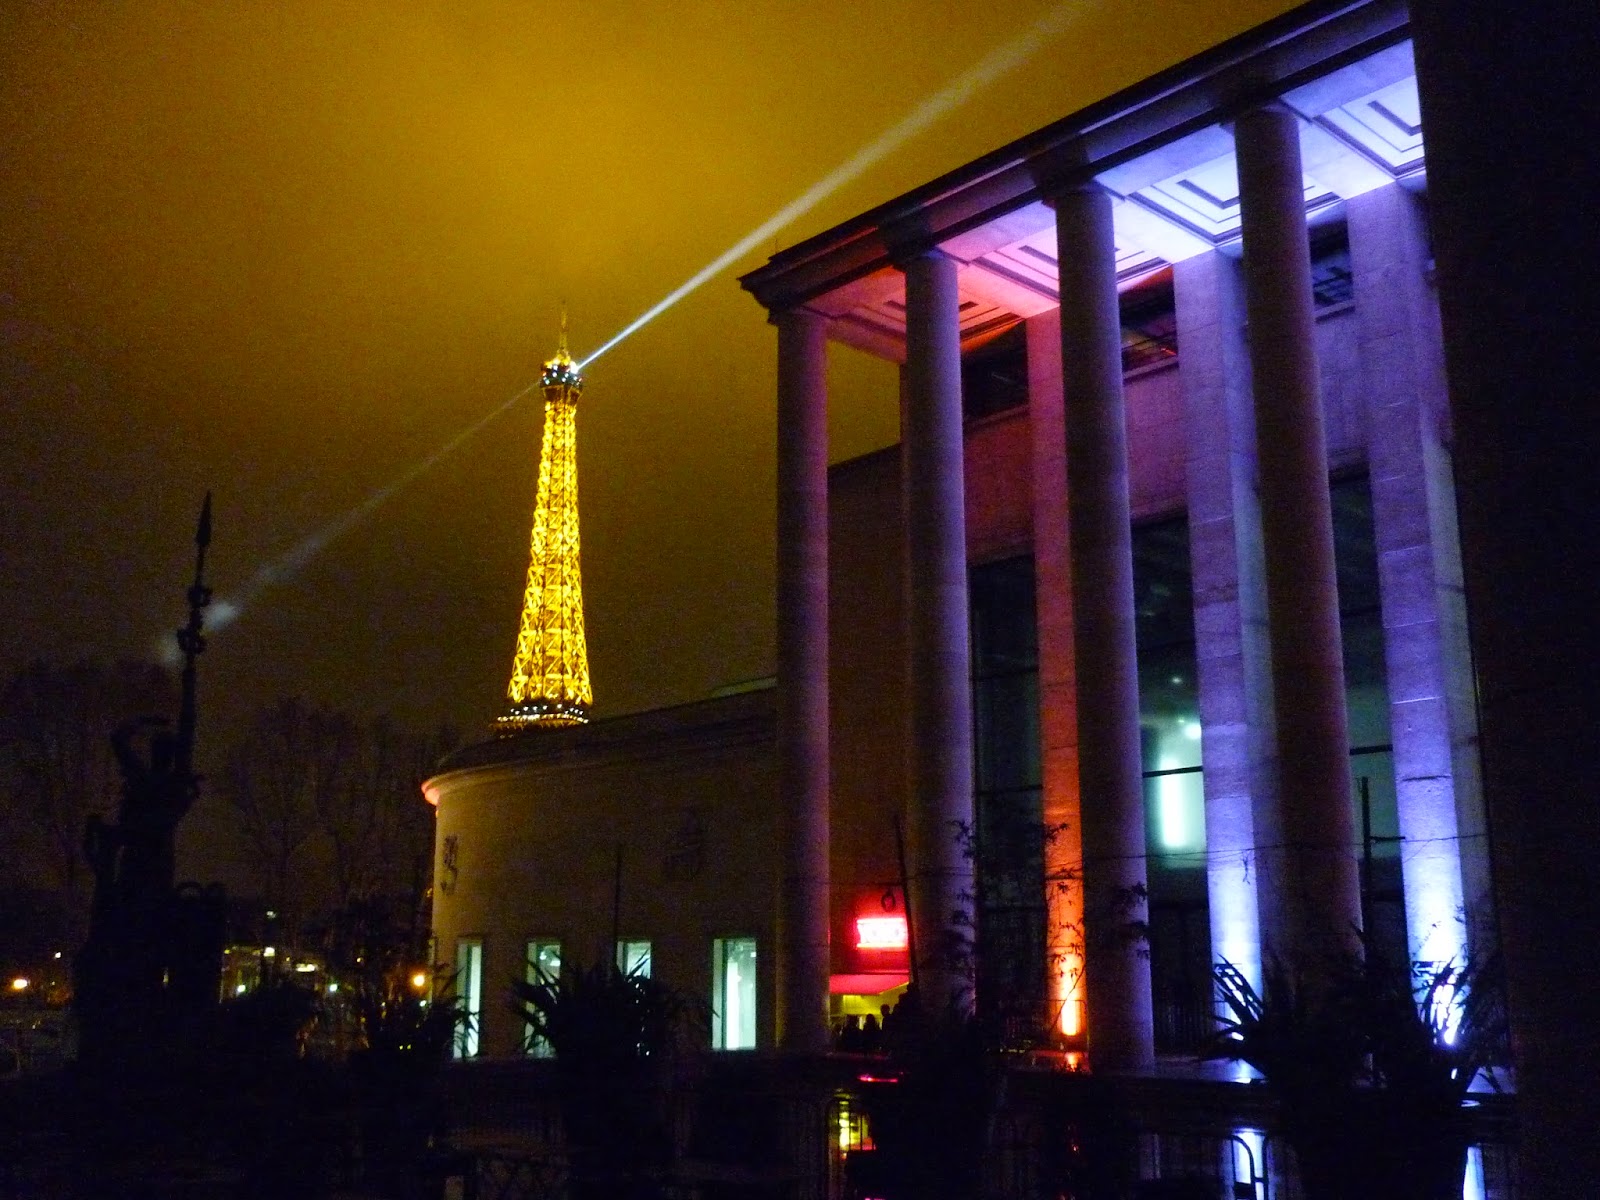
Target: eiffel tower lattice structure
x,y
550,678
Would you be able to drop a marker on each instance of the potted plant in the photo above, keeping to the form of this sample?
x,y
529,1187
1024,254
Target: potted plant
x,y
612,1034
1370,1064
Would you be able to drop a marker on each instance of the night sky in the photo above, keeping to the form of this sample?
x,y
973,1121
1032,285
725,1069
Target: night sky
x,y
285,251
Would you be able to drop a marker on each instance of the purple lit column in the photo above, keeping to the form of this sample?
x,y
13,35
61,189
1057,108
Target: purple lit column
x,y
939,674
1315,888
802,661
1117,972
1419,571
1230,604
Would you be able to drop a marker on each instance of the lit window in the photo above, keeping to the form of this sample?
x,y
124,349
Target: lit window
x,y
633,958
469,991
1179,807
733,994
544,966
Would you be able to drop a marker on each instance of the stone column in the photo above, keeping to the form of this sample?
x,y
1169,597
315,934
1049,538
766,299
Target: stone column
x,y
1230,601
1117,971
802,663
1316,886
1508,110
939,671
1058,699
1432,717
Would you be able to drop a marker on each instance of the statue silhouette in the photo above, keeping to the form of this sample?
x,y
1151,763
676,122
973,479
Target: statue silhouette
x,y
143,934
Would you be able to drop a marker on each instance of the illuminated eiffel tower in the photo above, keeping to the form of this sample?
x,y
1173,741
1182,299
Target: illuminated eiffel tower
x,y
550,678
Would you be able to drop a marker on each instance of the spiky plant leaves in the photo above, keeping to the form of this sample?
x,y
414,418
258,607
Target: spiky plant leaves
x,y
613,1034
1370,1064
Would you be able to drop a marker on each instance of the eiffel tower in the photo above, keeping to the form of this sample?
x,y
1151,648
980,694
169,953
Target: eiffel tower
x,y
550,677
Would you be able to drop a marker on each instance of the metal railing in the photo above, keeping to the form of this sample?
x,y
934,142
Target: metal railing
x,y
776,1131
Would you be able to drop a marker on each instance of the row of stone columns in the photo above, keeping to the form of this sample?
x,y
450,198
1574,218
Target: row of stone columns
x,y
1100,538
1272,694
938,669
1230,611
938,666
1313,888
1433,719
802,663
1429,673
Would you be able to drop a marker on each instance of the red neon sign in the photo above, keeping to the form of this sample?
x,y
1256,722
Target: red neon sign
x,y
881,933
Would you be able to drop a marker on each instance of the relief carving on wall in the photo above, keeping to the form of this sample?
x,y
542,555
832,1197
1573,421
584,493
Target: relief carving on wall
x,y
449,868
686,848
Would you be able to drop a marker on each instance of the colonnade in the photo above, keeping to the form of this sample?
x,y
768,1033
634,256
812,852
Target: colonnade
x,y
1279,825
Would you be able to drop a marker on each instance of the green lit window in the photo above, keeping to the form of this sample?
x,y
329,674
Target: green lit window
x,y
469,992
733,994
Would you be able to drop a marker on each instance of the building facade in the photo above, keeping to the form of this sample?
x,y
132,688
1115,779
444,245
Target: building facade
x,y
1144,649
1180,633
1220,471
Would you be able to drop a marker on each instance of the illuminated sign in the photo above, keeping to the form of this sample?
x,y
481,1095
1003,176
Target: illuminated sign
x,y
881,933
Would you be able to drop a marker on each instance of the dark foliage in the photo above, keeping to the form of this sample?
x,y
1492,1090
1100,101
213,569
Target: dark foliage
x,y
1370,1062
613,1035
931,1117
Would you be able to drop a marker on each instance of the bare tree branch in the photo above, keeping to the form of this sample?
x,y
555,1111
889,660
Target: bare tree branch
x,y
56,762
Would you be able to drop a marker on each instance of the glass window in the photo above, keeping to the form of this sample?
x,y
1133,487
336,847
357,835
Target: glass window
x,y
633,958
1169,694
1331,281
1366,678
994,377
733,994
469,992
1149,322
1008,848
543,966
1174,789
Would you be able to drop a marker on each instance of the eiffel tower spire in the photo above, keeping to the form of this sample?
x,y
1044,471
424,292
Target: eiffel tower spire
x,y
550,677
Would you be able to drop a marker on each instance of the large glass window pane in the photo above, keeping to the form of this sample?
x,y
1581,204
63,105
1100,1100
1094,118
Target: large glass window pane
x,y
1008,843
1169,695
1174,788
1377,819
543,966
1149,323
469,992
733,994
633,958
994,377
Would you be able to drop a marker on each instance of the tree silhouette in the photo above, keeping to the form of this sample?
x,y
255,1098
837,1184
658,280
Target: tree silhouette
x,y
56,760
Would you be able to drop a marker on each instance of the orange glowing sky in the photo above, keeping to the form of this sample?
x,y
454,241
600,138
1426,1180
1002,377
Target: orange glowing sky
x,y
286,250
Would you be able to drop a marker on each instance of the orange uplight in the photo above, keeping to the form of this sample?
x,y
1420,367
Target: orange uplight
x,y
1072,1018
1070,989
881,933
